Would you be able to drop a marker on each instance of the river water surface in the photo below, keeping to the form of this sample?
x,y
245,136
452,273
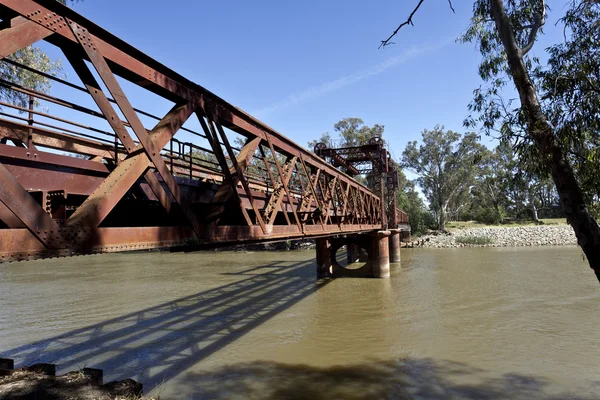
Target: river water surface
x,y
484,323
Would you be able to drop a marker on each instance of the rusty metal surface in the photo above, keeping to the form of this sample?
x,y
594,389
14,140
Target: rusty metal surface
x,y
70,186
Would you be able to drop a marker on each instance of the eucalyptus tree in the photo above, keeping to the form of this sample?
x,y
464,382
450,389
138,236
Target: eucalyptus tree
x,y
571,85
34,57
349,132
505,32
445,163
491,187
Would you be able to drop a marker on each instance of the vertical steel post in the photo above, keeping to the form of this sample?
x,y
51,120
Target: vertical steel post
x,y
117,150
171,153
30,123
191,163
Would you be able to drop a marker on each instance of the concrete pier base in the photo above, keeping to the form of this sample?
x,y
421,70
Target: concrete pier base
x,y
380,257
352,252
395,256
376,245
324,258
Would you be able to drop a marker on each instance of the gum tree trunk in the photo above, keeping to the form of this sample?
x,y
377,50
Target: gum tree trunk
x,y
585,227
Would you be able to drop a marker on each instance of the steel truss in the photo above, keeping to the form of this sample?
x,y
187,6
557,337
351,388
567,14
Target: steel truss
x,y
131,186
374,160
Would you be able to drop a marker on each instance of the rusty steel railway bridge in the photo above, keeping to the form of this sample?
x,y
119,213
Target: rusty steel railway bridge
x,y
87,172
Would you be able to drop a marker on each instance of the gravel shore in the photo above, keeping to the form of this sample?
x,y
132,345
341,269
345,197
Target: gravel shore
x,y
541,235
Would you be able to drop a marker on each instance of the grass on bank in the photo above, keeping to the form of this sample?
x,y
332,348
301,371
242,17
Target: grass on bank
x,y
475,224
478,240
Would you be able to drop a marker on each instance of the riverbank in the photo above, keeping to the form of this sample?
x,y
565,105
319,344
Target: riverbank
x,y
541,235
40,382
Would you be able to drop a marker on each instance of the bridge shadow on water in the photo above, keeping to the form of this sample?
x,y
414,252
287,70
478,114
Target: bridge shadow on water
x,y
155,344
160,343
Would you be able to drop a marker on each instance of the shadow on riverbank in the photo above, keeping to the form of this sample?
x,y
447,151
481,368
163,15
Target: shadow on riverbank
x,y
409,378
155,344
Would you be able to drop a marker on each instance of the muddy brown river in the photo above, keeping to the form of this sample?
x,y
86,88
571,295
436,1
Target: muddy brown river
x,y
484,323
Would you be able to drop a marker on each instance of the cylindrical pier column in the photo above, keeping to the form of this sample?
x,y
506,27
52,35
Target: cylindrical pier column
x,y
395,245
352,252
324,262
381,256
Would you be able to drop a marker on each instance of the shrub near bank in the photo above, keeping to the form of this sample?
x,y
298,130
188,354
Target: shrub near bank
x,y
474,240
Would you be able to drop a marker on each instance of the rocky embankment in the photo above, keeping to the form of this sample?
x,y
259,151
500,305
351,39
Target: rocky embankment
x,y
39,381
541,235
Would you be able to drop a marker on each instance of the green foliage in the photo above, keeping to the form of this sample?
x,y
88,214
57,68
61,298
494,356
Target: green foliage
x,y
32,57
491,109
349,132
493,186
476,240
488,215
446,163
568,87
354,132
571,94
35,58
408,199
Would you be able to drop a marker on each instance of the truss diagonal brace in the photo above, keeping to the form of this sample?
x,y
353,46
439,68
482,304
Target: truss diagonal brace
x,y
106,196
272,207
26,209
270,175
228,188
114,121
19,36
287,191
151,146
239,172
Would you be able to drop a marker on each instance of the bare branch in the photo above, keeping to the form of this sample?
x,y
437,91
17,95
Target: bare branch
x,y
451,7
539,21
409,21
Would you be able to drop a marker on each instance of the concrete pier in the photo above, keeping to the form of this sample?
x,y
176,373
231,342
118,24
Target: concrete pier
x,y
380,257
395,245
324,258
377,247
352,252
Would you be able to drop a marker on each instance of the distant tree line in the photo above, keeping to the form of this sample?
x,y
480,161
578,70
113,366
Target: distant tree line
x,y
458,178
462,179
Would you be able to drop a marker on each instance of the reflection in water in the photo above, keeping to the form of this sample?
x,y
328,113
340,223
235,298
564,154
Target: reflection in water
x,y
474,323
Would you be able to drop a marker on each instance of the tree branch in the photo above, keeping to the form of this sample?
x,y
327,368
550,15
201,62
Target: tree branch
x,y
539,21
409,21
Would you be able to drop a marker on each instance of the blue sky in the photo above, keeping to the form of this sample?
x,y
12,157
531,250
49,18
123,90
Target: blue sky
x,y
302,66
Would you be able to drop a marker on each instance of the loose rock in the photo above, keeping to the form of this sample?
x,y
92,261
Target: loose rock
x,y
555,235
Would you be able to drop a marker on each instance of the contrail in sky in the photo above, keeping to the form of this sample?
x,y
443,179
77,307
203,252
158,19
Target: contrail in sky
x,y
337,84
